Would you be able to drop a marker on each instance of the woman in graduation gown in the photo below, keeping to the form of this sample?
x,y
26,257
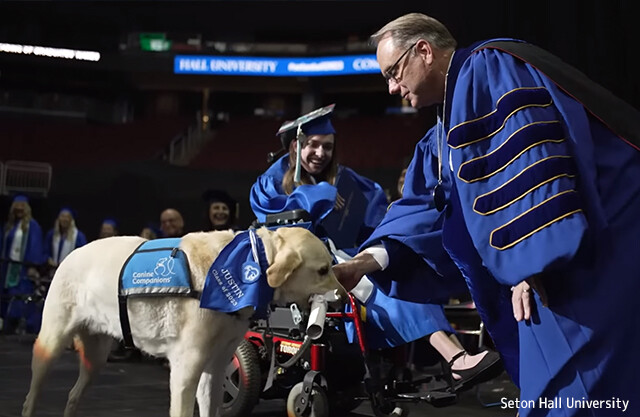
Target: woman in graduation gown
x,y
390,321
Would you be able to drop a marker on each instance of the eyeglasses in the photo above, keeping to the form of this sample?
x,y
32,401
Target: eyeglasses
x,y
390,74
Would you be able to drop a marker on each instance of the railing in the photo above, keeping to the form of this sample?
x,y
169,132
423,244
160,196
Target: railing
x,y
25,177
185,145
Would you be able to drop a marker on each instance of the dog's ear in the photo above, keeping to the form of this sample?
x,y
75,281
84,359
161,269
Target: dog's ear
x,y
285,262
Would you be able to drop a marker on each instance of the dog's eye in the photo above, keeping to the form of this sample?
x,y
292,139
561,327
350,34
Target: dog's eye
x,y
323,270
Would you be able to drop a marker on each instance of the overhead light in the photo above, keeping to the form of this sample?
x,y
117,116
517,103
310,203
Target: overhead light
x,y
12,48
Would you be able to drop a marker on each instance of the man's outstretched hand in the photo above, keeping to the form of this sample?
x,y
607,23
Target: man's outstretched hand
x,y
350,272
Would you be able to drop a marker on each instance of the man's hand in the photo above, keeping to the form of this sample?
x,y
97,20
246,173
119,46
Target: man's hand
x,y
350,272
522,297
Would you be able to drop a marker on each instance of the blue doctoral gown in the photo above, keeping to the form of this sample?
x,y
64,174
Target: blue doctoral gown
x,y
543,188
389,321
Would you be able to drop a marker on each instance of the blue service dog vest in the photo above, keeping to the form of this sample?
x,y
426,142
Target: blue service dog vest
x,y
156,268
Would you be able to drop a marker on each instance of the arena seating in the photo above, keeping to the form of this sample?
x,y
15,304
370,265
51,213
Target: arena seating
x,y
365,142
72,143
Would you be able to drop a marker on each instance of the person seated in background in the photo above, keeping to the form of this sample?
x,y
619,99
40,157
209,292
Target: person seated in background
x,y
108,228
150,232
171,223
62,239
389,321
22,255
221,211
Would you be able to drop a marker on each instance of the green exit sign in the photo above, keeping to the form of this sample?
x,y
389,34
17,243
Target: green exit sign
x,y
155,42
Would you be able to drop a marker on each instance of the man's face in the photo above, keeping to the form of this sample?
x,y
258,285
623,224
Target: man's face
x,y
171,223
219,213
412,75
317,153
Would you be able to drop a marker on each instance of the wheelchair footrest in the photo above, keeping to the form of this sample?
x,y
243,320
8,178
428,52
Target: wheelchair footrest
x,y
435,398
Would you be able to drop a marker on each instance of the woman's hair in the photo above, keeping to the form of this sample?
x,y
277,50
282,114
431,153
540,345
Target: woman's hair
x,y
11,219
329,174
57,232
412,27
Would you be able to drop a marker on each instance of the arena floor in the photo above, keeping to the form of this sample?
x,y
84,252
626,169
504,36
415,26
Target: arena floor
x,y
140,389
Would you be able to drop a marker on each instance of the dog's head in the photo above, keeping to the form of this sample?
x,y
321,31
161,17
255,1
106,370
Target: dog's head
x,y
299,266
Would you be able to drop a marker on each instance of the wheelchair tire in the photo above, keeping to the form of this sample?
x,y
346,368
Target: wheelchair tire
x,y
318,402
242,382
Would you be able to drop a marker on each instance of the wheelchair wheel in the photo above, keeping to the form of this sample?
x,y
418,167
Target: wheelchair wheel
x,y
318,402
242,384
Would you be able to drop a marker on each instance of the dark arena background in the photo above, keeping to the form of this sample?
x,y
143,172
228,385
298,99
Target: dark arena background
x,y
104,108
125,136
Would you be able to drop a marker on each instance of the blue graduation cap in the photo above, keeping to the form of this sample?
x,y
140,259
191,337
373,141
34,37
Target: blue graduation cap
x,y
317,122
69,210
20,198
110,221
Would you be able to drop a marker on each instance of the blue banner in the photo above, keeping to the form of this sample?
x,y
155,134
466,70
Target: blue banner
x,y
276,67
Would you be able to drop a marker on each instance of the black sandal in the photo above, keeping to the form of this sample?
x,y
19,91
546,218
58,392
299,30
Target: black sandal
x,y
488,368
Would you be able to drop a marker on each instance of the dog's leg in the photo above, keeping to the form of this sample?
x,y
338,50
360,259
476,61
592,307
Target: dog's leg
x,y
205,391
92,353
210,392
186,367
45,352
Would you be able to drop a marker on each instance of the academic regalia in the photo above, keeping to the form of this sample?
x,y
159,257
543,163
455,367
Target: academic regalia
x,y
389,322
268,196
542,187
57,248
420,269
15,281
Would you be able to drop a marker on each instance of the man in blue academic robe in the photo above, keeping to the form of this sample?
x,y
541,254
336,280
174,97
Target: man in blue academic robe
x,y
539,192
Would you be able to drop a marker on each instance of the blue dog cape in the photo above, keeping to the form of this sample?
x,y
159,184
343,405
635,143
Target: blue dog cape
x,y
157,267
237,277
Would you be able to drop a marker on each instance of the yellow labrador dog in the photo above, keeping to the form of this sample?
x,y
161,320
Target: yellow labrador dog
x,y
82,305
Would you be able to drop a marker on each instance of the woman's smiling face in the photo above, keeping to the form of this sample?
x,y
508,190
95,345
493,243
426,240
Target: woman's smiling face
x,y
317,153
219,213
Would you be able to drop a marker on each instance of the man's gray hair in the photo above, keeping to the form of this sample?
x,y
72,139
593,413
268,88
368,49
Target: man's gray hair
x,y
412,27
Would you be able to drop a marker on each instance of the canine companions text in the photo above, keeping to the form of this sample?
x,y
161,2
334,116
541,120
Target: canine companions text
x,y
82,305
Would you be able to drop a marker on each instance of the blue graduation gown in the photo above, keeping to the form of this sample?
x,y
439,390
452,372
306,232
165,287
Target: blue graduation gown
x,y
541,187
33,254
389,321
413,228
268,196
81,240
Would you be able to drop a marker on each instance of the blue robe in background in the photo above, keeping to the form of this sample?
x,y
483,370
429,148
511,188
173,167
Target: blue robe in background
x,y
543,188
80,240
33,255
389,321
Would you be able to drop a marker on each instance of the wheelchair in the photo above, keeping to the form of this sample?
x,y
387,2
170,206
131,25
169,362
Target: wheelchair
x,y
318,375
